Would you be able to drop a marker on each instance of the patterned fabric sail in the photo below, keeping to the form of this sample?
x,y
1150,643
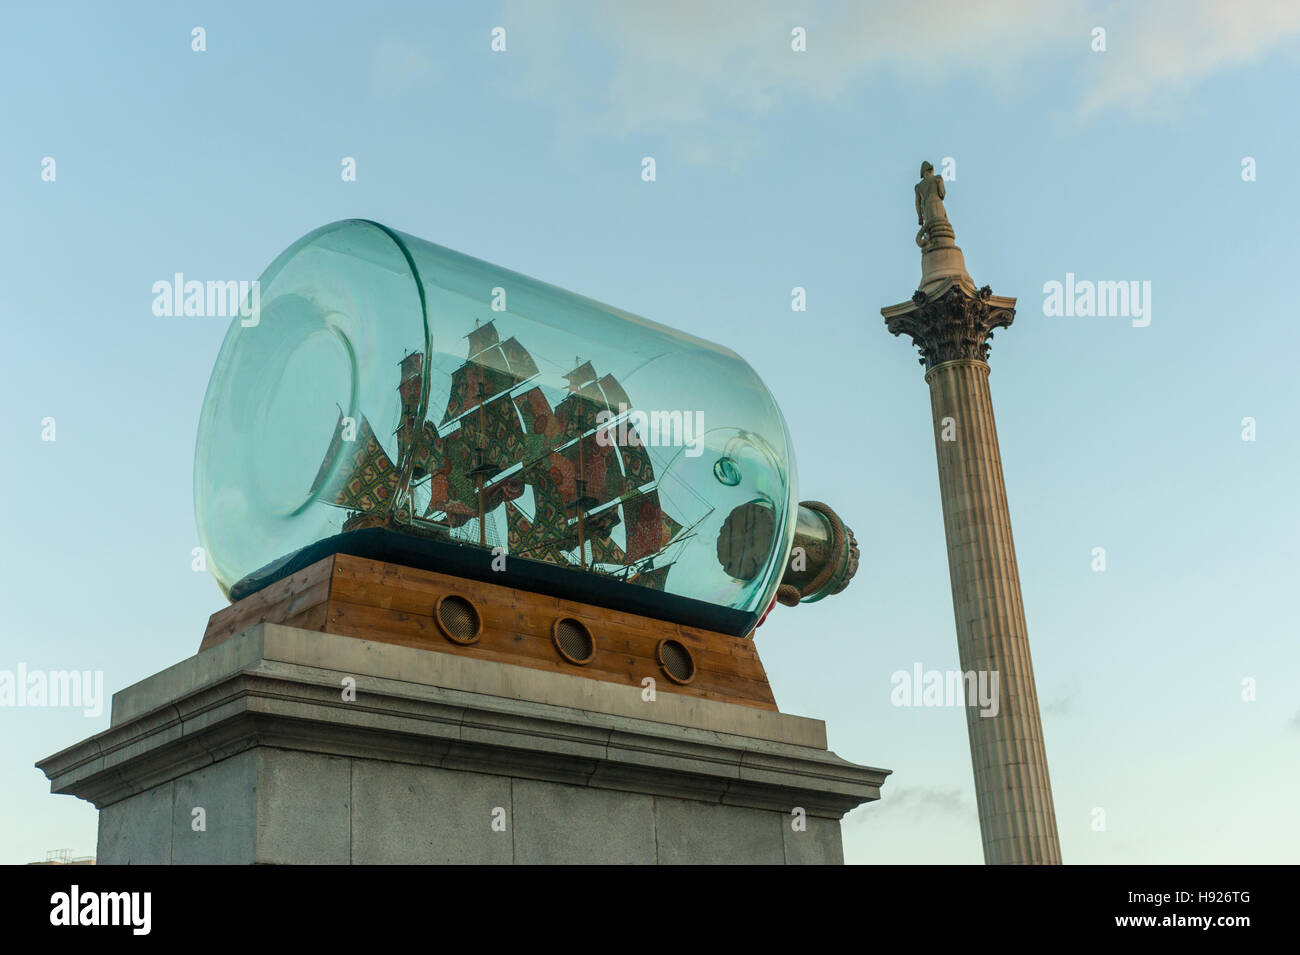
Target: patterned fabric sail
x,y
448,461
581,376
649,529
502,437
521,363
576,415
603,481
636,461
465,382
614,394
604,549
656,579
483,337
366,478
491,369
541,426
536,541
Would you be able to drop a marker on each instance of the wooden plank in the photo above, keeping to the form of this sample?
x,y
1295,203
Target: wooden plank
x,y
414,591
311,619
414,630
395,604
725,663
419,631
274,604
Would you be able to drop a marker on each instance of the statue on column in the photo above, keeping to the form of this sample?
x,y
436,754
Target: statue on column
x,y
930,214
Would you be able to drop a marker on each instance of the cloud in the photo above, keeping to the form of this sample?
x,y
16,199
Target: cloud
x,y
1157,52
707,67
922,800
1058,706
701,71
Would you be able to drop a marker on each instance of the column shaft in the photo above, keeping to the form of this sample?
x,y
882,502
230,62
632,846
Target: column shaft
x,y
1012,789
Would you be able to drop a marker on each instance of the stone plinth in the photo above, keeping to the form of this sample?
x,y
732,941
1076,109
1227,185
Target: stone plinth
x,y
445,759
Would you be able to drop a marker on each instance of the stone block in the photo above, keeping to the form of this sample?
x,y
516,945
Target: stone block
x,y
227,794
137,830
559,824
422,815
304,806
696,833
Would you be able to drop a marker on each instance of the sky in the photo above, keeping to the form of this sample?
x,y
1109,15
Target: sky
x,y
1169,682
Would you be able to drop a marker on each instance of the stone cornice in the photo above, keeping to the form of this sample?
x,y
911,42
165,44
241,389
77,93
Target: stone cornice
x,y
286,705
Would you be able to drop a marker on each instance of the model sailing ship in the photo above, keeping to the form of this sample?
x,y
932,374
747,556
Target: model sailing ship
x,y
499,447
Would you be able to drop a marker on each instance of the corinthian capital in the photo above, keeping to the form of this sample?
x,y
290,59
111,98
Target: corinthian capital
x,y
952,322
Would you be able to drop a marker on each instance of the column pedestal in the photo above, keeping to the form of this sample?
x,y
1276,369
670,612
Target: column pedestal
x,y
255,751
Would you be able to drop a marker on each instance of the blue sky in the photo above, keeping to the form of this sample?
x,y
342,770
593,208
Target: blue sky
x,y
775,169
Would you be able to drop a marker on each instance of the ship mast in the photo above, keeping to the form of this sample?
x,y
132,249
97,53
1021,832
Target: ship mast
x,y
482,470
582,501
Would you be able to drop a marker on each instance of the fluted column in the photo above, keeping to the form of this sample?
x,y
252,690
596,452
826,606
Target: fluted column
x,y
952,323
1012,790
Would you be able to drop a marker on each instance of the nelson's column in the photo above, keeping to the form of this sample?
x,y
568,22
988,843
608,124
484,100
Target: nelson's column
x,y
951,322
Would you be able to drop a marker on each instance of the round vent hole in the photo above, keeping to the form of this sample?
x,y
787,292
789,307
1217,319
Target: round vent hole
x,y
458,619
677,661
574,641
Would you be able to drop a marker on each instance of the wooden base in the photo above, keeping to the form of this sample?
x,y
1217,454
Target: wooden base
x,y
390,603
